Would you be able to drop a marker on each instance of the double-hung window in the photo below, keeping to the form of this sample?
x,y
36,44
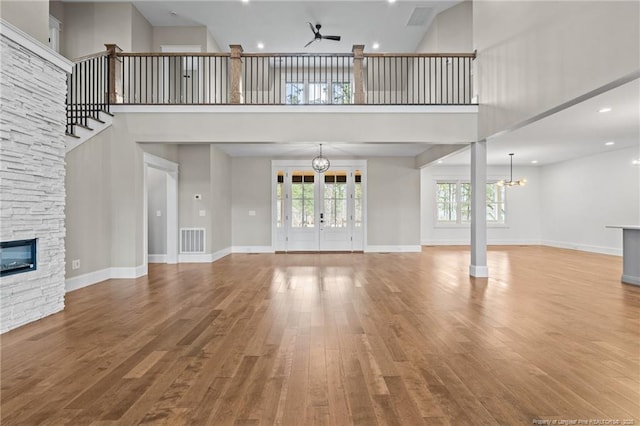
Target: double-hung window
x,y
453,201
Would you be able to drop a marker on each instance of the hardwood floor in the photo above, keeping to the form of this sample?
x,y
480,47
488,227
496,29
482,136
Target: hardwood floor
x,y
304,339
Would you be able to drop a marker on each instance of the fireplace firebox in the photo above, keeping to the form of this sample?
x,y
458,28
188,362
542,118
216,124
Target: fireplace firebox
x,y
17,257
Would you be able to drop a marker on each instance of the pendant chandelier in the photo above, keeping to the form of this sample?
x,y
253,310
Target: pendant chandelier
x,y
511,182
320,164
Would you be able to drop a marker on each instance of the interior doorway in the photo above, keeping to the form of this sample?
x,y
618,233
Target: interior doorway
x,y
319,211
160,216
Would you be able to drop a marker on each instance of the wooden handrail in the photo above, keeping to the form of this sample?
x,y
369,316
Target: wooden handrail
x,y
163,54
91,56
420,55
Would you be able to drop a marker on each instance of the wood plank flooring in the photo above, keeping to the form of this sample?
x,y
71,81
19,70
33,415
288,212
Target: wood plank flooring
x,y
337,339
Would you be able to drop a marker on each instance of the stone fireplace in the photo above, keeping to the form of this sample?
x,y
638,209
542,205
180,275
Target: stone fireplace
x,y
32,173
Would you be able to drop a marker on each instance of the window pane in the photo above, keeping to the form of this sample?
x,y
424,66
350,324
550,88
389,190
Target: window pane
x,y
318,93
294,93
357,213
341,93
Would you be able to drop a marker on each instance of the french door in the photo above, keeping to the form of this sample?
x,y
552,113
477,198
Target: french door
x,y
319,211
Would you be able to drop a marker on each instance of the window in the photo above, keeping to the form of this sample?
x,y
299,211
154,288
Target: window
x,y
335,199
280,200
302,200
453,200
358,199
298,93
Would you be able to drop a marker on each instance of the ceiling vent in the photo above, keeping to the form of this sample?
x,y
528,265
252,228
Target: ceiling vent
x,y
419,17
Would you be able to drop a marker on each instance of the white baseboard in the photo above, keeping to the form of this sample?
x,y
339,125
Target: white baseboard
x,y
478,271
252,249
203,257
95,277
466,242
393,249
583,247
157,258
628,279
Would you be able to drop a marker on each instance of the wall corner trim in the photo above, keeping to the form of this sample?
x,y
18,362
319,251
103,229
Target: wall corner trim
x,y
25,40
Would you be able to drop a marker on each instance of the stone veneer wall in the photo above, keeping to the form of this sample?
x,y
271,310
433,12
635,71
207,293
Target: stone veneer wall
x,y
32,173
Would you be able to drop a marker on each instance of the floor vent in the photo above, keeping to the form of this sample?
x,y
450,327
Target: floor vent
x,y
192,240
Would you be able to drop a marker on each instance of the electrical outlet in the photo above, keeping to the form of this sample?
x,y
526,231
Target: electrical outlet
x,y
158,213
203,212
75,264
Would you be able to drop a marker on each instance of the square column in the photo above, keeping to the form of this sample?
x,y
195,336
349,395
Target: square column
x,y
478,266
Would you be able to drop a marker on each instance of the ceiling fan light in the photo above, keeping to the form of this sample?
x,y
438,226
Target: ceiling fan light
x,y
500,182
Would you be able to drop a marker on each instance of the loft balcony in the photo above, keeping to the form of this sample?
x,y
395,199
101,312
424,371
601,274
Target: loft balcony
x,y
237,78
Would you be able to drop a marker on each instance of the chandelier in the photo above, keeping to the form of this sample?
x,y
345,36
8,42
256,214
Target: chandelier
x,y
320,164
511,182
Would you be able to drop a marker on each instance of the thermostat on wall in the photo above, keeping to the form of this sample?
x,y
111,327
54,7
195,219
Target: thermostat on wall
x,y
197,197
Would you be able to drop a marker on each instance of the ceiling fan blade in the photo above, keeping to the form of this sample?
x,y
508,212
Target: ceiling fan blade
x,y
336,38
310,42
313,30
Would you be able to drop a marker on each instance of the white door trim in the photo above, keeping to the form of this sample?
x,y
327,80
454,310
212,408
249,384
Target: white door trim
x,y
171,169
277,165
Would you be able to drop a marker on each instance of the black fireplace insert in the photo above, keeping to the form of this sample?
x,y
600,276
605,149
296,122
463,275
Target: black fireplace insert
x,y
17,257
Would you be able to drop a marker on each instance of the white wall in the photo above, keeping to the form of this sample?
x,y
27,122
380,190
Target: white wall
x,y
523,205
251,191
536,55
393,202
582,196
450,32
157,202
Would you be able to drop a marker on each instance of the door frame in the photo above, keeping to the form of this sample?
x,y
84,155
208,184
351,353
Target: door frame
x,y
171,169
277,165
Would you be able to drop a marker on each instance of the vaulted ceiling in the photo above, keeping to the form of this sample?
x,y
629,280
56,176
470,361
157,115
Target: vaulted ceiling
x,y
282,26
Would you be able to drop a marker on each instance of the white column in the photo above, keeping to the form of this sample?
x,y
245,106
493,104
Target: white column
x,y
478,266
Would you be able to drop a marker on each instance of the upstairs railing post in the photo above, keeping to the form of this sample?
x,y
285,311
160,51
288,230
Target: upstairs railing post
x,y
114,78
358,74
235,77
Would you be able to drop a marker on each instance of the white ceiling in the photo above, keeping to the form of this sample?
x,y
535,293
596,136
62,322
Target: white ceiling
x,y
282,25
575,132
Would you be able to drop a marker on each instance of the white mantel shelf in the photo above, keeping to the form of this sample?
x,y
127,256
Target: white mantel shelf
x,y
630,253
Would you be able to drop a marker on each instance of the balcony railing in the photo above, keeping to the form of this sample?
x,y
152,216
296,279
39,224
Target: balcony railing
x,y
231,78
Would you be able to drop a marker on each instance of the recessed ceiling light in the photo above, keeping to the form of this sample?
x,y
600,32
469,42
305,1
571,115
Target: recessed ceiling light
x,y
391,1
245,1
605,109
534,161
609,143
375,46
636,162
440,161
260,45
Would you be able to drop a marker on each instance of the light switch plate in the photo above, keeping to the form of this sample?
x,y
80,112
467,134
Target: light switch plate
x,y
252,212
158,213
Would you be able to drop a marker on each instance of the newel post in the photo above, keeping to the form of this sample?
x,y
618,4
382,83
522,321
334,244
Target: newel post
x,y
358,74
115,73
235,78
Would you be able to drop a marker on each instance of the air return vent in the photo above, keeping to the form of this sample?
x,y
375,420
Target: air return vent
x,y
419,17
192,240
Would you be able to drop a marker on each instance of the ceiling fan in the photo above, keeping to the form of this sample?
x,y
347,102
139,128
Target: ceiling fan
x,y
317,36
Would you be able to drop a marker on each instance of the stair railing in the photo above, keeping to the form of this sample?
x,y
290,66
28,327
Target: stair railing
x,y
88,89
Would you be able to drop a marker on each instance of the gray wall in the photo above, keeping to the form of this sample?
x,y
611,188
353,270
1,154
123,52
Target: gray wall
x,y
32,17
88,208
251,190
195,178
157,203
393,202
450,32
220,200
535,55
